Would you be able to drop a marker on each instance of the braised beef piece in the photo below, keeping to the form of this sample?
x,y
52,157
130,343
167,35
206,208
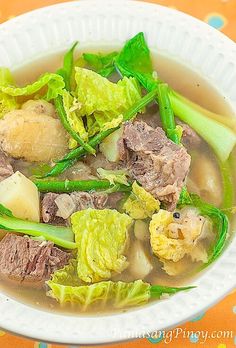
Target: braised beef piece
x,y
29,261
52,204
6,169
157,163
189,137
49,209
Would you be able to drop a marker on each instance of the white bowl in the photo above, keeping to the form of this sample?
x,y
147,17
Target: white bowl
x,y
53,29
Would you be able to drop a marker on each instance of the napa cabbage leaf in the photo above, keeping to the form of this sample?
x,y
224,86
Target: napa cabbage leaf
x,y
7,102
65,287
101,237
102,101
54,83
114,176
140,204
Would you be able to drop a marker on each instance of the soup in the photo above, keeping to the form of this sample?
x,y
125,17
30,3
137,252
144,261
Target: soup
x,y
107,200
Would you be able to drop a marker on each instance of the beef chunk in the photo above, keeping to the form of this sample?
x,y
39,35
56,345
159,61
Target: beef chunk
x,y
29,261
58,207
49,209
6,169
157,163
189,138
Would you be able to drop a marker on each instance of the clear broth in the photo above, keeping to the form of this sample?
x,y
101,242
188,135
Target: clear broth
x,y
185,81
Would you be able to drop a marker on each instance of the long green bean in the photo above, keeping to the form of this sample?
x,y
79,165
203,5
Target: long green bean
x,y
166,112
82,185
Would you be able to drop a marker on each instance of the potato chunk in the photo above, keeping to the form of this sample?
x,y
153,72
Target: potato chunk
x,y
110,146
40,107
21,196
33,137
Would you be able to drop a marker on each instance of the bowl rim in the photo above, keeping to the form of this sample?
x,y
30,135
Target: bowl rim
x,y
28,321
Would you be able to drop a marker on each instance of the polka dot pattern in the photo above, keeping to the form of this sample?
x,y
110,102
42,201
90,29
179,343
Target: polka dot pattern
x,y
216,20
223,18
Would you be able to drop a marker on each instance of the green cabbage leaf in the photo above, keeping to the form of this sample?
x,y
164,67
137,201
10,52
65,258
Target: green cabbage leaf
x,y
65,287
140,204
54,83
101,237
102,101
114,176
7,102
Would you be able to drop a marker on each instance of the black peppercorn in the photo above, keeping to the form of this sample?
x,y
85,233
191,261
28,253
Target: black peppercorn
x,y
176,215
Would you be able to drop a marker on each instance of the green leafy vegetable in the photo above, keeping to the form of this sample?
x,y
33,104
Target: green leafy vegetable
x,y
114,176
7,103
103,64
219,219
70,159
101,237
76,185
54,83
61,236
135,60
140,204
66,288
102,99
68,63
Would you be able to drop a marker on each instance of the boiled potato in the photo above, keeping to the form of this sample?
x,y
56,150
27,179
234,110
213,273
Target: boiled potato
x,y
206,177
33,137
40,107
21,196
110,146
140,265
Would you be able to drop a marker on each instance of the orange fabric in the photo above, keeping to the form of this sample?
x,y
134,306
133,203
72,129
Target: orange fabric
x,y
218,323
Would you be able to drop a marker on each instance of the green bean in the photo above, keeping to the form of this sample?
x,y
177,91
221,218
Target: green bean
x,y
63,117
59,168
70,159
166,112
82,185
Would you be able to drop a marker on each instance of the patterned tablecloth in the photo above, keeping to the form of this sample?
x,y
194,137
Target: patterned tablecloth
x,y
217,327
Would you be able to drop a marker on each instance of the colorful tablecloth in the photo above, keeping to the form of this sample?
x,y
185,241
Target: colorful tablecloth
x,y
217,327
